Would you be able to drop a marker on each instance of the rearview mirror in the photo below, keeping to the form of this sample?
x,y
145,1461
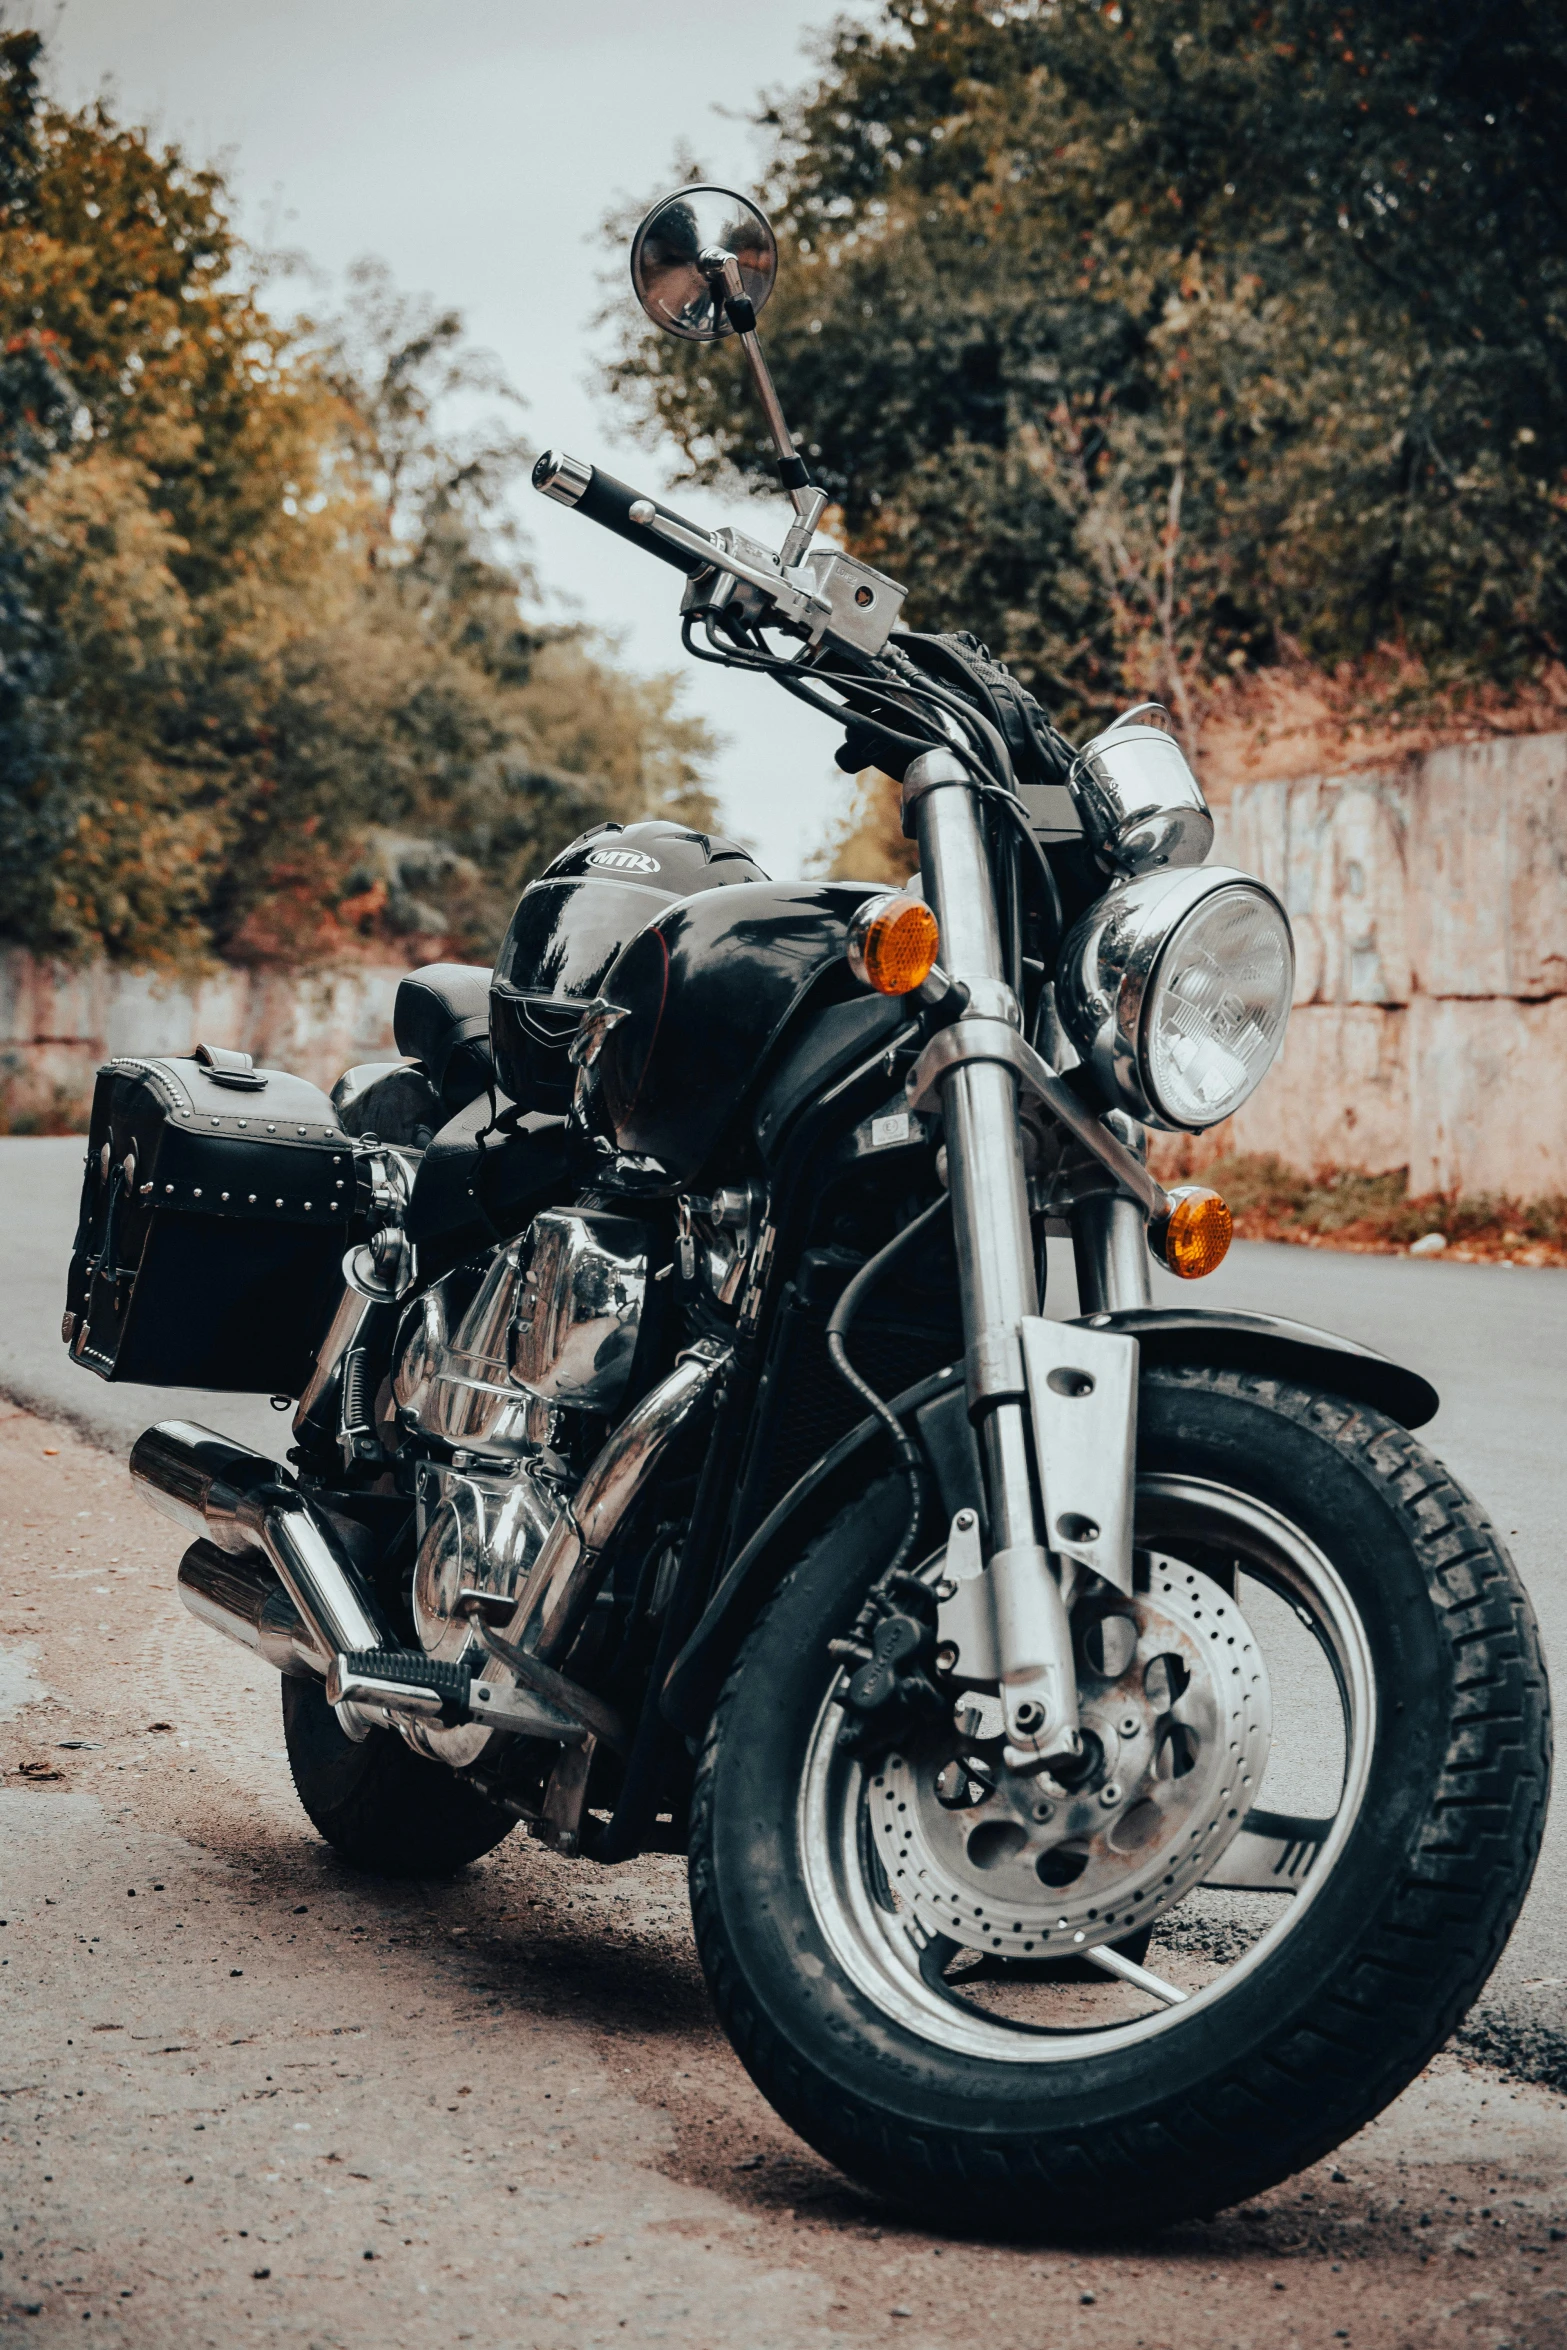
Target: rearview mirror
x,y
680,259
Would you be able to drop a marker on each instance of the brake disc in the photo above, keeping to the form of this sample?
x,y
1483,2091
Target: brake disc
x,y
1176,1717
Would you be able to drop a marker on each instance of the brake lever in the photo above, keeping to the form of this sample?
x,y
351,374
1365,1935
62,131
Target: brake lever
x,y
808,611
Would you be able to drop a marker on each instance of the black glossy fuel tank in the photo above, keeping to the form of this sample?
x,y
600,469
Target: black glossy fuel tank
x,y
705,990
568,928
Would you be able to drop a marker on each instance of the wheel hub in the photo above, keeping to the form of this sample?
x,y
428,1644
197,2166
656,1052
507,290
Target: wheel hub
x,y
1175,1712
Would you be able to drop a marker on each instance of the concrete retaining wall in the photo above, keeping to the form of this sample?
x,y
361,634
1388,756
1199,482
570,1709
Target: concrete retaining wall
x,y
57,1024
1430,1024
1430,911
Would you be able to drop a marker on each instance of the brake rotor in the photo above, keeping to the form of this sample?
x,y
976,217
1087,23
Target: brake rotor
x,y
1175,1712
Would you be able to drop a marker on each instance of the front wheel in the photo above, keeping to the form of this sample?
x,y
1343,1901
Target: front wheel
x,y
1316,1762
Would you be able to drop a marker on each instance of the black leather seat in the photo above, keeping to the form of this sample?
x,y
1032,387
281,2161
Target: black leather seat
x,y
441,1017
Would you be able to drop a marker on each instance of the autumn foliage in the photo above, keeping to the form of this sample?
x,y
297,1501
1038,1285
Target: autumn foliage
x,y
1168,343
266,685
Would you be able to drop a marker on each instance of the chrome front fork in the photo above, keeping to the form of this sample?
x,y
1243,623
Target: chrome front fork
x,y
999,1292
1110,1250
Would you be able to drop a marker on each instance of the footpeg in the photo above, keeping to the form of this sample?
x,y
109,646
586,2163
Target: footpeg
x,y
407,1681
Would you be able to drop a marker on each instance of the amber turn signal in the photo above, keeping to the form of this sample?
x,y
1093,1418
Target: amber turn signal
x,y
1194,1238
893,943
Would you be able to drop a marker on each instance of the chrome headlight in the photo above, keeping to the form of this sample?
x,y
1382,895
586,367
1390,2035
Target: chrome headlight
x,y
1175,989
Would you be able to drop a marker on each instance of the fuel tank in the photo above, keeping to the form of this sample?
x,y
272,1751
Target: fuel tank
x,y
693,1005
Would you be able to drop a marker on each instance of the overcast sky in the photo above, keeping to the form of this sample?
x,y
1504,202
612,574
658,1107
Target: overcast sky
x,y
475,147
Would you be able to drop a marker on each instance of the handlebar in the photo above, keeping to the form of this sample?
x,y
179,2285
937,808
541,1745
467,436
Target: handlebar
x,y
603,499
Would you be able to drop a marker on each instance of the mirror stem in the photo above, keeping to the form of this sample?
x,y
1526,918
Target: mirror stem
x,y
792,470
808,510
742,317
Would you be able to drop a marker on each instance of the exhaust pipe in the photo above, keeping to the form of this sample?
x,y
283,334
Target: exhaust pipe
x,y
243,1599
237,1503
568,1570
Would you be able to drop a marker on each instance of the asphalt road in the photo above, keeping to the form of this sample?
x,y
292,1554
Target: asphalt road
x,y
1492,1339
247,2098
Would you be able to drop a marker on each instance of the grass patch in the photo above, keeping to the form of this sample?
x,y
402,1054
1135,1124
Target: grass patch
x,y
1343,1208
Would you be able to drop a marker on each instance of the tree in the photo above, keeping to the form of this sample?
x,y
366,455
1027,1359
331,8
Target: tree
x,y
266,683
1160,343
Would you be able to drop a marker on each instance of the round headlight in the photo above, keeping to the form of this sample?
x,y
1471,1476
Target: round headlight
x,y
1175,988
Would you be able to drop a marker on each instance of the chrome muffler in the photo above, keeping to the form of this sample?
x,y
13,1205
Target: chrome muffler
x,y
249,1517
243,1599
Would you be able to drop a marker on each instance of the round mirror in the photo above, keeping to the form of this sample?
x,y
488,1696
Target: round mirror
x,y
678,256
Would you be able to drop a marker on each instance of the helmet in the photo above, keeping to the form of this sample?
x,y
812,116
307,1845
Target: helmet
x,y
570,925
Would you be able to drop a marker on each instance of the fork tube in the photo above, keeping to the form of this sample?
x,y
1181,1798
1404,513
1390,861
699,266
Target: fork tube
x,y
1110,1250
984,1150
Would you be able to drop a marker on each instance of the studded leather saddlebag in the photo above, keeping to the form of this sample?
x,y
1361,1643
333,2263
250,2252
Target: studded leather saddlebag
x,y
217,1205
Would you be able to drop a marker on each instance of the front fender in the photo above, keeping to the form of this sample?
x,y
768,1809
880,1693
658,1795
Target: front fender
x,y
1268,1343
934,1413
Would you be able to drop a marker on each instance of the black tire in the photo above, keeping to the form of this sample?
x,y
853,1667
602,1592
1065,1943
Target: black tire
x,y
385,1809
1395,1944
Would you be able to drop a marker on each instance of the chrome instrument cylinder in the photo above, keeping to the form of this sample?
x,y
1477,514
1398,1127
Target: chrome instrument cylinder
x,y
1141,805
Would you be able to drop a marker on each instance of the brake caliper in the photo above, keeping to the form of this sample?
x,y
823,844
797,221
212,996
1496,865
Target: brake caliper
x,y
891,1655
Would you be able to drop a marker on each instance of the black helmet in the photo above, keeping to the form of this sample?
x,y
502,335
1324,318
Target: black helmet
x,y
570,925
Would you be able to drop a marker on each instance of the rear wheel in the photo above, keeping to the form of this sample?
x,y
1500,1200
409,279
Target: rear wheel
x,y
1317,1746
384,1808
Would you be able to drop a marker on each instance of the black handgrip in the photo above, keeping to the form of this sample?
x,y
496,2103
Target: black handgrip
x,y
589,490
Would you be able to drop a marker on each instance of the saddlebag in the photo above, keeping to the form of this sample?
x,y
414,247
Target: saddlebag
x,y
216,1207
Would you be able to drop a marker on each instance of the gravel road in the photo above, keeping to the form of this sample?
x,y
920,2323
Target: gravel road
x,y
368,2066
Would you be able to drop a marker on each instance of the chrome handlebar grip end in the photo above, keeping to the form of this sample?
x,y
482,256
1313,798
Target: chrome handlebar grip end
x,y
562,478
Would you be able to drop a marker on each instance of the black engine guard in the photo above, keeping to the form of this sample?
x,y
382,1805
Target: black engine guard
x,y
935,1411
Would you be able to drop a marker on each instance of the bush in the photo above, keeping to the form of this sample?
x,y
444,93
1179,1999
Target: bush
x,y
1344,1208
267,689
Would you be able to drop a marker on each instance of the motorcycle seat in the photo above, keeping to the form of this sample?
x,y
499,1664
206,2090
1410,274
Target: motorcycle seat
x,y
441,1017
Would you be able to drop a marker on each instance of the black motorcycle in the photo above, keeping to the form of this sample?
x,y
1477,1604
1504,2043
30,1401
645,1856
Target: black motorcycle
x,y
1111,1751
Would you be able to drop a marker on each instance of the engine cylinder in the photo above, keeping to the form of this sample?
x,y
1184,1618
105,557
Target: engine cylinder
x,y
481,1537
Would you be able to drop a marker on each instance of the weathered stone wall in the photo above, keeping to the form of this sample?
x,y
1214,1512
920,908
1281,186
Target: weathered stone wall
x,y
1430,1024
58,1023
1430,911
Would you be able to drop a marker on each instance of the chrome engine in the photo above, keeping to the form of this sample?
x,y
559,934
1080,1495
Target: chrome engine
x,y
550,1333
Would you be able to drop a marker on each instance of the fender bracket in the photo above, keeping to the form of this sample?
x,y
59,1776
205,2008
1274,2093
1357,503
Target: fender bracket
x,y
936,1411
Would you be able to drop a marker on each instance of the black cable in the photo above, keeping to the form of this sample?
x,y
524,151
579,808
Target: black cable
x,y
799,687
898,691
839,1324
797,680
1015,809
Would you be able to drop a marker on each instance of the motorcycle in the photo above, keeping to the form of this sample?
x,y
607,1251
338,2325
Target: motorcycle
x,y
1111,1752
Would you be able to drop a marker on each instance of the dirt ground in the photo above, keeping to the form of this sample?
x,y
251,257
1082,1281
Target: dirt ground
x,y
367,2068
